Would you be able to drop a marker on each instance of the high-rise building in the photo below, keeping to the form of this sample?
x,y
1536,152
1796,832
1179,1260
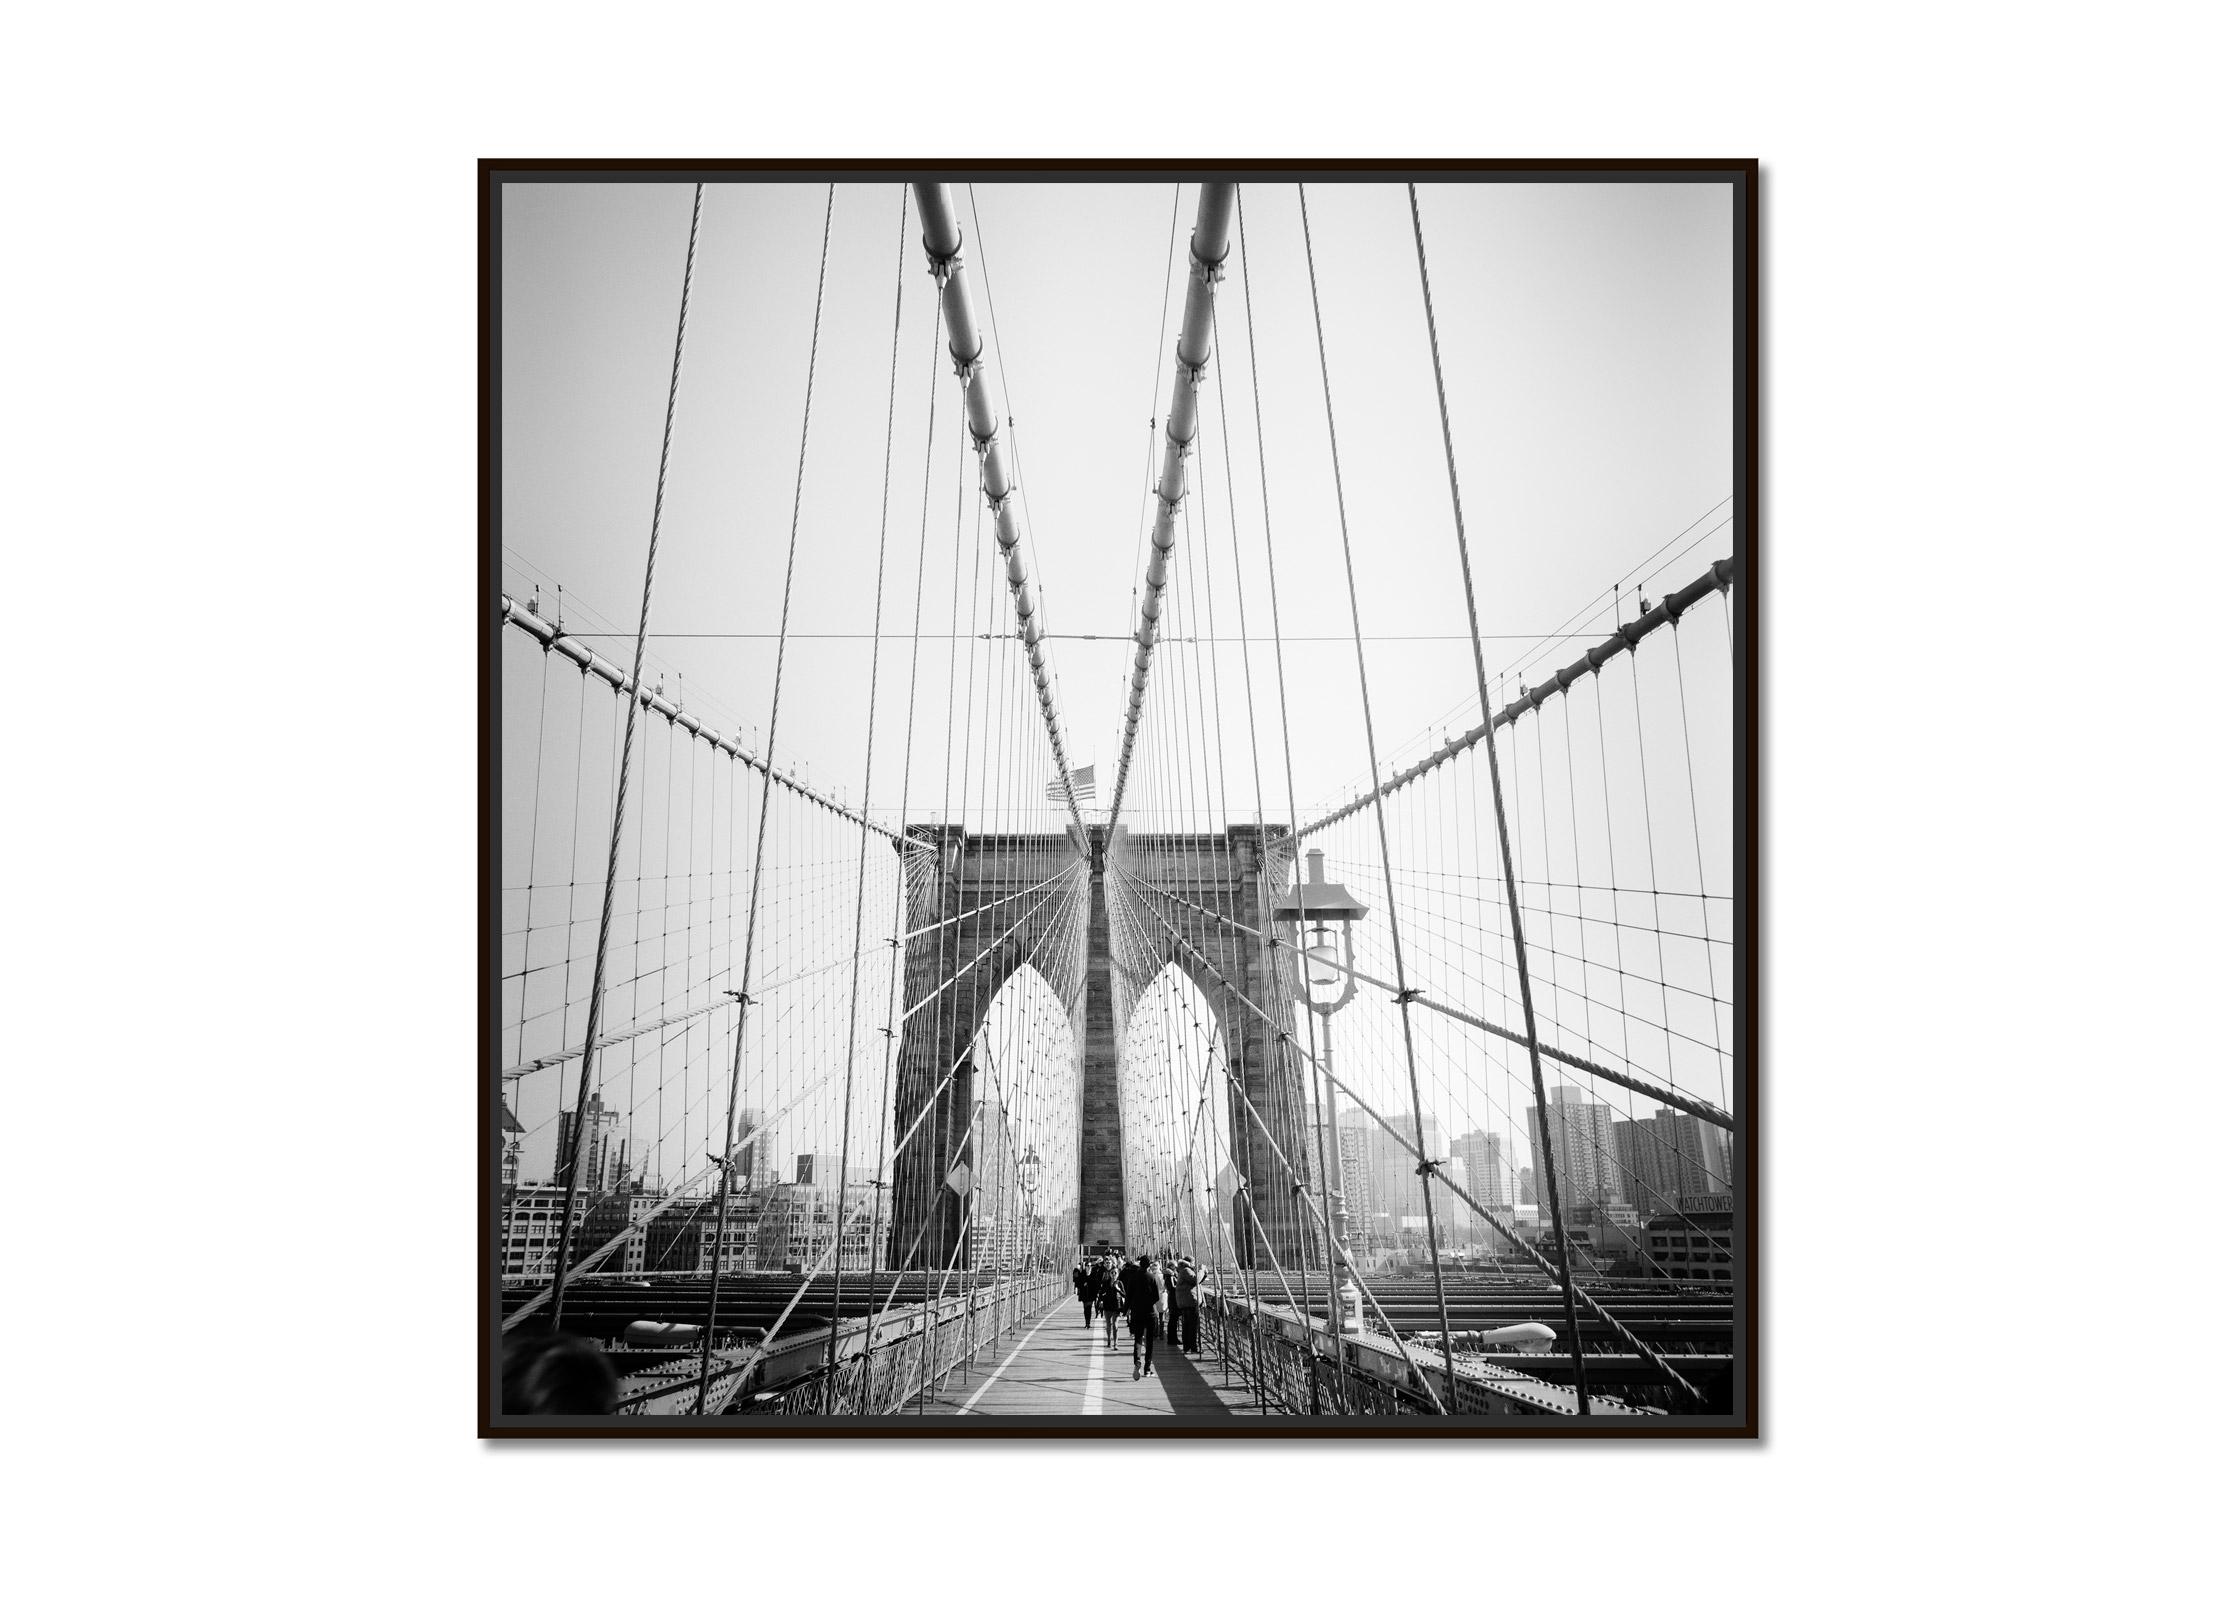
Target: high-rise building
x,y
1706,1158
1481,1167
1586,1148
1354,1128
1528,1187
1383,1189
1639,1169
1349,1174
1675,1161
606,1159
754,1159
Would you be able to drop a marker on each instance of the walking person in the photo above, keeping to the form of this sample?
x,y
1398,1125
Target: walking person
x,y
1169,1270
1140,1288
1186,1303
1107,1285
1084,1290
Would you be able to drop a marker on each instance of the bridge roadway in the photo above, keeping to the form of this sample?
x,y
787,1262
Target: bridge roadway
x,y
1055,1367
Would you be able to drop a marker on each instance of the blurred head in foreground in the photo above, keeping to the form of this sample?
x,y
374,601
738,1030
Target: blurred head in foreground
x,y
556,1375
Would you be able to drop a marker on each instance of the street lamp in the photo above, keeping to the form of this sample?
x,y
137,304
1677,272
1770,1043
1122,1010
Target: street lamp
x,y
1326,913
1328,952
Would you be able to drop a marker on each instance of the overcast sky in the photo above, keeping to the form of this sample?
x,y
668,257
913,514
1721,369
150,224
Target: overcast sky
x,y
1585,330
1586,337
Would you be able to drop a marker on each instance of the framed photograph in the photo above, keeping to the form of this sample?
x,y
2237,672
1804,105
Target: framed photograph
x,y
1119,799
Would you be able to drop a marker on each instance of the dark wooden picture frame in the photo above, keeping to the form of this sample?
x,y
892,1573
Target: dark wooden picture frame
x,y
1745,596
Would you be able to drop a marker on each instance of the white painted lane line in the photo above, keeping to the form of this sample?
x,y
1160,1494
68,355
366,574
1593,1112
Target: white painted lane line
x,y
966,1408
1092,1396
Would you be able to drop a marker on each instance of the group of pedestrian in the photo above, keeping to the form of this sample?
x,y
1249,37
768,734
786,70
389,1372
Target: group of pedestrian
x,y
1160,1300
1096,1284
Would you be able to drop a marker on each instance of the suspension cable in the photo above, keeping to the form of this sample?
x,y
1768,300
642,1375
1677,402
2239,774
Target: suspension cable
x,y
1384,846
863,840
622,789
754,891
1501,826
1182,942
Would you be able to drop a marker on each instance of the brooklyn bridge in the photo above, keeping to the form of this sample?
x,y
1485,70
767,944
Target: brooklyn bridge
x,y
1372,981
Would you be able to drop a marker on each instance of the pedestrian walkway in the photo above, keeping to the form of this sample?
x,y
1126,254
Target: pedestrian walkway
x,y
1056,1367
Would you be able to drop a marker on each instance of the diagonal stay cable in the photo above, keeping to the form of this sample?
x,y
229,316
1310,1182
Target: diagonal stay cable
x,y
762,828
1501,831
1205,963
1384,843
1299,1190
863,838
622,788
1643,1086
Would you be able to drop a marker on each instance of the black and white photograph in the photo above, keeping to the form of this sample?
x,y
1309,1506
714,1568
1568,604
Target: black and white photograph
x,y
1118,800
1431,800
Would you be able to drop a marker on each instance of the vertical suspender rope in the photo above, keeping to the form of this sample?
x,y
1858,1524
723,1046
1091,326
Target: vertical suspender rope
x,y
668,841
707,943
529,891
863,835
568,960
1384,847
762,825
1501,828
637,914
528,916
1649,839
1703,900
1643,1182
621,792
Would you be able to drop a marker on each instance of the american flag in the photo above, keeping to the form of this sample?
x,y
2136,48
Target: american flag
x,y
1084,786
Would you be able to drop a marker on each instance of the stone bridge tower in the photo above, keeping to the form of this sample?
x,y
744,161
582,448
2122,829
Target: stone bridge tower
x,y
1201,902
978,920
1129,907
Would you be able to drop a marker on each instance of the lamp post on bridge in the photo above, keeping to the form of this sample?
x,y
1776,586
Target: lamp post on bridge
x,y
1328,911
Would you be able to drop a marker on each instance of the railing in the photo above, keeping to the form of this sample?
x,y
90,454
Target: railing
x,y
1291,1366
885,1362
1293,1369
